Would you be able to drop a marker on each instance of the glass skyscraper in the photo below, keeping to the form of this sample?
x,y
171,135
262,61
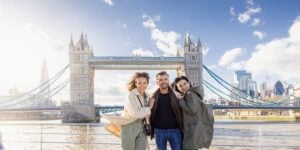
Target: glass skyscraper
x,y
245,83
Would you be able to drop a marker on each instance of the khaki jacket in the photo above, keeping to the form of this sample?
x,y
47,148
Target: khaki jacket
x,y
197,120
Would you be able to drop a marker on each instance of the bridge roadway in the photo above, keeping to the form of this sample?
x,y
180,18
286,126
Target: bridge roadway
x,y
113,108
136,63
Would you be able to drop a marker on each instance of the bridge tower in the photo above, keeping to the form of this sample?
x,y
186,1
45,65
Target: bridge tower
x,y
81,107
193,61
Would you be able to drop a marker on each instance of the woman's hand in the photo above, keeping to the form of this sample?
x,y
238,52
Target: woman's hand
x,y
178,95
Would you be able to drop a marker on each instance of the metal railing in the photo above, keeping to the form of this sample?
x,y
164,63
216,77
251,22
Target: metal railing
x,y
93,136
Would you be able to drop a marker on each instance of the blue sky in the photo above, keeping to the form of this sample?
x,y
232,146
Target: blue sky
x,y
235,34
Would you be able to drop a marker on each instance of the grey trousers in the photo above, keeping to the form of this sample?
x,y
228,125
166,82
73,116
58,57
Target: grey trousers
x,y
133,136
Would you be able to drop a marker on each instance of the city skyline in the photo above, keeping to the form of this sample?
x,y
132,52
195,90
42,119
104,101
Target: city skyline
x,y
33,31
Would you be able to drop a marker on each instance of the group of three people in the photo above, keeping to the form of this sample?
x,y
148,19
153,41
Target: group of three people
x,y
175,114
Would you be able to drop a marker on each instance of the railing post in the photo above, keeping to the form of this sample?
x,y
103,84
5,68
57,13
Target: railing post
x,y
41,144
87,136
260,136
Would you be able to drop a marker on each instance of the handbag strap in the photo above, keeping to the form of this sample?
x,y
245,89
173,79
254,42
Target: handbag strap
x,y
141,106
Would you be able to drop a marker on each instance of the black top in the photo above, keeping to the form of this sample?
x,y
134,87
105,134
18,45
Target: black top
x,y
165,117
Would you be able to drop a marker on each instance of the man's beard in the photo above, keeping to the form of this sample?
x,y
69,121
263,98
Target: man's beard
x,y
164,87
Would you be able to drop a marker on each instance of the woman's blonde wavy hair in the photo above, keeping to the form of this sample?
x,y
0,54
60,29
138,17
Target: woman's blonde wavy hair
x,y
131,84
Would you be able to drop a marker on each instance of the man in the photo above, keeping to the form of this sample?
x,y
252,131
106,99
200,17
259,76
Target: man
x,y
166,117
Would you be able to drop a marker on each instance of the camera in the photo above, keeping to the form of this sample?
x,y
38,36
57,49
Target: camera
x,y
147,129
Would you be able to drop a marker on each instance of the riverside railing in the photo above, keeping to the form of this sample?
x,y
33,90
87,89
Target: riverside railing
x,y
93,136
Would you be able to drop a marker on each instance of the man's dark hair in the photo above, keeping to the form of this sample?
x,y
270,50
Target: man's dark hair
x,y
162,73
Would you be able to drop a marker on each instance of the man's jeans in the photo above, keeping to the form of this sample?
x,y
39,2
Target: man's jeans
x,y
171,135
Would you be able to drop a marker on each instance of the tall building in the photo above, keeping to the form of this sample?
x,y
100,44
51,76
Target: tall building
x,y
265,91
288,88
243,81
278,88
242,74
43,96
296,90
44,85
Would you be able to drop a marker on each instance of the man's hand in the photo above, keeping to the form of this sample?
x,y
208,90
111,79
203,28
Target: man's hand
x,y
151,102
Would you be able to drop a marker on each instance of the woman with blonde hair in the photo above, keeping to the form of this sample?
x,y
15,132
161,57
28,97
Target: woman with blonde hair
x,y
135,114
136,107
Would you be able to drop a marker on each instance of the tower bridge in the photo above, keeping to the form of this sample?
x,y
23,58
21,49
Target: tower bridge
x,y
83,63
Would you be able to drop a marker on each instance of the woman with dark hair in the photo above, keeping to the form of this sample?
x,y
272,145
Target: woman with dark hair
x,y
197,117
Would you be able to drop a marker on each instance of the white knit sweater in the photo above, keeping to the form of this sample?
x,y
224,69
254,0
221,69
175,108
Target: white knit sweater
x,y
132,109
132,106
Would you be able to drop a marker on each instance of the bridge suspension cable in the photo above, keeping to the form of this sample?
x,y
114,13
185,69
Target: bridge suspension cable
x,y
36,88
220,91
218,78
205,84
50,81
63,85
59,87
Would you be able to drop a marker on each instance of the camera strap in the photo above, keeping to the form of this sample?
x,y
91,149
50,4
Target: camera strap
x,y
142,106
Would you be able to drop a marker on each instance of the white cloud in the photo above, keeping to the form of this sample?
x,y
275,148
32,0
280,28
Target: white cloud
x,y
165,41
205,50
246,16
149,22
279,57
236,65
294,31
252,11
231,11
107,93
141,52
124,25
256,21
250,2
108,2
259,34
230,56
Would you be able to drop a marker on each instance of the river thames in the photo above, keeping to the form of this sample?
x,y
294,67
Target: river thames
x,y
27,135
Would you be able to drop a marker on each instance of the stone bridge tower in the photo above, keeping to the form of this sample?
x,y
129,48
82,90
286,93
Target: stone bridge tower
x,y
192,67
81,108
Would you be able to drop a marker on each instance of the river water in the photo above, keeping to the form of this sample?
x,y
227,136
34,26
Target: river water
x,y
27,135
